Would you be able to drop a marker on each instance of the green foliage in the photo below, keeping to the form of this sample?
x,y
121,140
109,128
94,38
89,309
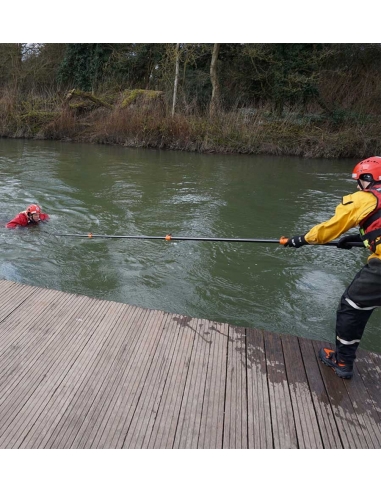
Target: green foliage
x,y
278,74
89,66
137,65
338,83
195,81
83,65
281,76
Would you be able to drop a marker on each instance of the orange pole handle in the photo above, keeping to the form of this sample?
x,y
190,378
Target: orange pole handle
x,y
283,240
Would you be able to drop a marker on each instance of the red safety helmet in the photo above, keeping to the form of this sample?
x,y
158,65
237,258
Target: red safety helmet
x,y
368,170
33,209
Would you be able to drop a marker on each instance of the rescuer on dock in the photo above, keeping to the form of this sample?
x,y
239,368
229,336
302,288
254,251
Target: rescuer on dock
x,y
363,295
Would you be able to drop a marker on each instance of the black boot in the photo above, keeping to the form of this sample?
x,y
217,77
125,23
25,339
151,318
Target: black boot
x,y
328,357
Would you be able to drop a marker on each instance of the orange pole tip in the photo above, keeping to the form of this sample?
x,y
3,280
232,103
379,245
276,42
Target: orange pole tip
x,y
283,240
168,237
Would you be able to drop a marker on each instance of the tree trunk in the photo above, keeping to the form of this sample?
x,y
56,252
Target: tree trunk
x,y
214,102
16,64
87,95
176,78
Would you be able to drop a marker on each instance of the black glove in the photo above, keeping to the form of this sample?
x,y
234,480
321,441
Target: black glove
x,y
352,238
296,242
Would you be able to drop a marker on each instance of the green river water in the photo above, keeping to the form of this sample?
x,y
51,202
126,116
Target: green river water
x,y
120,191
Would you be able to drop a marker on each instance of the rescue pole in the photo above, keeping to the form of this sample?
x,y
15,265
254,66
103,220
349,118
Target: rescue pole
x,y
169,237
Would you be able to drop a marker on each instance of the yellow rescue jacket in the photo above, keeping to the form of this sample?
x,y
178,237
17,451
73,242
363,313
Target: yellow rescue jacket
x,y
352,210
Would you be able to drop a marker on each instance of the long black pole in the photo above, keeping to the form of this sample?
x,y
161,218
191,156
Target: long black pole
x,y
189,238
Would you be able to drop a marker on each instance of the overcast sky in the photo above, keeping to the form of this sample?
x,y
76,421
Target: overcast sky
x,y
196,21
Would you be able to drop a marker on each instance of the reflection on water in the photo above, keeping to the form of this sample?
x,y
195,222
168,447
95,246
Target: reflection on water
x,y
113,190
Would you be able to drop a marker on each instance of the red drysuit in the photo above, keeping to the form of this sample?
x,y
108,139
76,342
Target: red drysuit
x,y
21,219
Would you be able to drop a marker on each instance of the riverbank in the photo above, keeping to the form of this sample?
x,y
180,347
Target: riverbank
x,y
143,119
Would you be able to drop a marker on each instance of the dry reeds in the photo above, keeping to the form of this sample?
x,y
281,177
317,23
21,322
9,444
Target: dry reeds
x,y
149,123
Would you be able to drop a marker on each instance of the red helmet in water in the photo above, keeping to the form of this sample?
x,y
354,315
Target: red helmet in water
x,y
33,209
368,170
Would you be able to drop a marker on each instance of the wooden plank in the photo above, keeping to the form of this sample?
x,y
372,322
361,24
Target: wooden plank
x,y
137,429
53,361
366,399
307,427
235,423
83,377
29,369
81,373
13,297
25,337
376,358
126,397
17,329
27,326
212,418
4,284
143,420
370,373
49,361
67,386
98,418
74,379
57,400
327,424
18,322
345,415
7,289
259,412
283,424
369,423
29,412
188,429
164,429
112,361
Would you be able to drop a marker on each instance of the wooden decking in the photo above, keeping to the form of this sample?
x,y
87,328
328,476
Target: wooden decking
x,y
77,372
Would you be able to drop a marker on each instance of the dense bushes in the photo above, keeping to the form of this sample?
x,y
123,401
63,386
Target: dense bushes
x,y
318,100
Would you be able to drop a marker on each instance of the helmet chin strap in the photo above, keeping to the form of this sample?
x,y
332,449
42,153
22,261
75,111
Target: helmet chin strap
x,y
361,186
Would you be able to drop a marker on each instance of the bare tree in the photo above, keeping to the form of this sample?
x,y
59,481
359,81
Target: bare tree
x,y
176,78
11,65
214,102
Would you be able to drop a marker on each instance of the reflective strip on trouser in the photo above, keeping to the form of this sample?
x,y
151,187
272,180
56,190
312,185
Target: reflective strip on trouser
x,y
354,305
345,342
355,308
350,325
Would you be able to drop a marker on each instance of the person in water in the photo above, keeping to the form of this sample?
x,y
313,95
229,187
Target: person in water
x,y
31,216
363,295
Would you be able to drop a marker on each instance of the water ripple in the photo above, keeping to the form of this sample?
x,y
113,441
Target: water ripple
x,y
110,190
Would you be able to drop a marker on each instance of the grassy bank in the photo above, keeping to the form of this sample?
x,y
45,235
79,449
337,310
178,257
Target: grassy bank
x,y
143,119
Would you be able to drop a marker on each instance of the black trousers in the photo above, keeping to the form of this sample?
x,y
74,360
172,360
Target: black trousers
x,y
356,305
